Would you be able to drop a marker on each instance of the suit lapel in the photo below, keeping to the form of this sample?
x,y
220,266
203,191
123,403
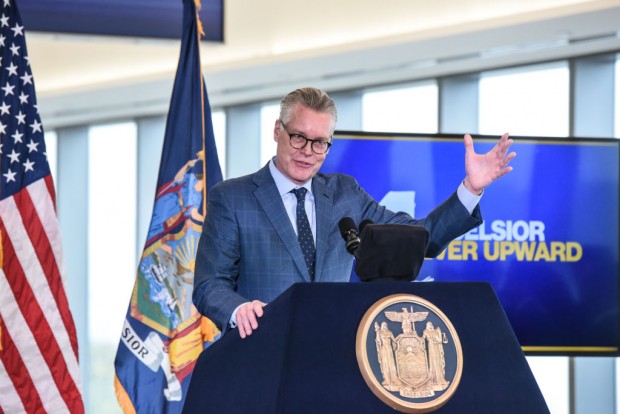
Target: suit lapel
x,y
270,200
323,201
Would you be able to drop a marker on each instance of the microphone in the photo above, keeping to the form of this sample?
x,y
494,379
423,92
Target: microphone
x,y
349,233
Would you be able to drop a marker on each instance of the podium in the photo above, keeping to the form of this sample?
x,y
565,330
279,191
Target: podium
x,y
302,358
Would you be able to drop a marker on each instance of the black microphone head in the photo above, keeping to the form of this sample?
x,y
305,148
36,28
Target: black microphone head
x,y
346,224
348,231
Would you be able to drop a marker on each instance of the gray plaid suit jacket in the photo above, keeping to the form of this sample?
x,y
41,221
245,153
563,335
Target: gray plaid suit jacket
x,y
248,249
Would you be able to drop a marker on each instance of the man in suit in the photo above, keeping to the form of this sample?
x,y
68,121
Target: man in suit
x,y
249,250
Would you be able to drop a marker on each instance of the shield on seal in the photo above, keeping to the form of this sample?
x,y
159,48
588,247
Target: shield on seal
x,y
411,360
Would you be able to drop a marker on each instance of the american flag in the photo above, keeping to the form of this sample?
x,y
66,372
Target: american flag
x,y
38,343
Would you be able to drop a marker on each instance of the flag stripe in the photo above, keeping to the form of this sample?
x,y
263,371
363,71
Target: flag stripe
x,y
45,217
12,401
35,297
44,204
49,183
25,345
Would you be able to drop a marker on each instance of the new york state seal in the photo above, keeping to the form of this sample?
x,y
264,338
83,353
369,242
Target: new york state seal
x,y
409,353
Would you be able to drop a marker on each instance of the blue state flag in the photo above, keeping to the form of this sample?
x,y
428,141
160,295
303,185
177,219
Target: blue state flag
x,y
163,334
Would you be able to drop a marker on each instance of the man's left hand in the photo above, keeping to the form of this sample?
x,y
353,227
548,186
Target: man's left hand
x,y
482,169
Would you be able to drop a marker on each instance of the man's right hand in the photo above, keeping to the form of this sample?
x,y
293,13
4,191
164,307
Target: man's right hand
x,y
247,317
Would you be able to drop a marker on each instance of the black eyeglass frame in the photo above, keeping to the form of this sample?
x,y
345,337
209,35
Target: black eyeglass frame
x,y
306,140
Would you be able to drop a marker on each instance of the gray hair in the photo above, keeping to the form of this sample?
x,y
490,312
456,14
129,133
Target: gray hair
x,y
312,98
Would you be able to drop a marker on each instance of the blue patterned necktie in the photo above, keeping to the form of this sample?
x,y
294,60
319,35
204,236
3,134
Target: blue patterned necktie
x,y
304,234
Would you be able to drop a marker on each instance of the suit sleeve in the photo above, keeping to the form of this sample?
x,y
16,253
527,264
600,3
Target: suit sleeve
x,y
448,221
444,223
217,258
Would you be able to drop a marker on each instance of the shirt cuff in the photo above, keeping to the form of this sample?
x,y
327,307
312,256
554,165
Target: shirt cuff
x,y
233,317
469,200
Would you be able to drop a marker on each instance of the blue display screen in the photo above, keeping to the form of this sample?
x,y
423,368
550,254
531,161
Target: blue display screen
x,y
549,241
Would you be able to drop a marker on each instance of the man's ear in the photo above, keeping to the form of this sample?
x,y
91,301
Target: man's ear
x,y
276,130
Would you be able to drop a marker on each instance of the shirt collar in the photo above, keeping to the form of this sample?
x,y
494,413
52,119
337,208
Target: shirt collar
x,y
282,182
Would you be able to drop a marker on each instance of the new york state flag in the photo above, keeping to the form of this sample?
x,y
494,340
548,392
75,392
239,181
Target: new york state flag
x,y
163,334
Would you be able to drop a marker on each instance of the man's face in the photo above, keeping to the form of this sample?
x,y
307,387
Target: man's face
x,y
300,165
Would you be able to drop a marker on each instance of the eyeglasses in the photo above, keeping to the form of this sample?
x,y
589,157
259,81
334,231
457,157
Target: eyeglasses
x,y
298,141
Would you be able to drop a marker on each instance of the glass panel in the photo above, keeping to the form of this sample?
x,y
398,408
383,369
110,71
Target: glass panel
x,y
268,115
219,131
617,363
51,150
531,101
617,106
111,251
551,374
409,108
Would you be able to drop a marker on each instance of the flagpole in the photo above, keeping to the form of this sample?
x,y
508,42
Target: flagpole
x,y
199,33
206,326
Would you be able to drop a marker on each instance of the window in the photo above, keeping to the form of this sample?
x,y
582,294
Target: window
x,y
268,115
219,131
408,108
111,251
531,101
51,150
617,382
551,374
617,106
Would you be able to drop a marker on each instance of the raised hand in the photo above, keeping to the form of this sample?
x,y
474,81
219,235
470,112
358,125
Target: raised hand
x,y
482,169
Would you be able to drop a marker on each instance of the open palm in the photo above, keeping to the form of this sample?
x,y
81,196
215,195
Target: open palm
x,y
482,169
